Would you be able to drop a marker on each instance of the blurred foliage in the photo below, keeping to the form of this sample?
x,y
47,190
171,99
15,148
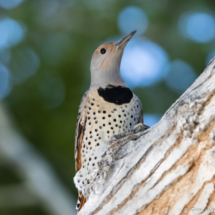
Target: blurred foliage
x,y
23,211
80,27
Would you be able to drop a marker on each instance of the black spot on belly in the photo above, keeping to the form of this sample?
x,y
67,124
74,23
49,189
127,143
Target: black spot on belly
x,y
116,94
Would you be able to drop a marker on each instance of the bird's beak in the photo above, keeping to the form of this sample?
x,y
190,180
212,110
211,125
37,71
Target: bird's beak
x,y
124,41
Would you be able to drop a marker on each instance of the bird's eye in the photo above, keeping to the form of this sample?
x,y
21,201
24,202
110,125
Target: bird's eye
x,y
103,50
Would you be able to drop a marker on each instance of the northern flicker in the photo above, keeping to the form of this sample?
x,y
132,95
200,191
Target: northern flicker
x,y
108,108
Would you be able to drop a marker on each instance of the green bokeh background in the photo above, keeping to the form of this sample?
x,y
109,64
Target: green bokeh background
x,y
86,25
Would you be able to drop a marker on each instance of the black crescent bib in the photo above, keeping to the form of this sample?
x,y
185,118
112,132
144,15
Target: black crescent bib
x,y
116,94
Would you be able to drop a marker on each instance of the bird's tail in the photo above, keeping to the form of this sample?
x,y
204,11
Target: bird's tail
x,y
81,201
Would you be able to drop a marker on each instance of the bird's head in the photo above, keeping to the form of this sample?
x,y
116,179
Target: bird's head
x,y
105,63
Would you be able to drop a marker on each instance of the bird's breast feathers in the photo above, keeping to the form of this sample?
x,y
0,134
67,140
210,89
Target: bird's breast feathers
x,y
106,112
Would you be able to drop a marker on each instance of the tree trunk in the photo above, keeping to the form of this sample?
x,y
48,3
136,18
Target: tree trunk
x,y
167,169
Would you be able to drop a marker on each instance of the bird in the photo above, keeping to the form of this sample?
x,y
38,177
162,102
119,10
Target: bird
x,y
107,109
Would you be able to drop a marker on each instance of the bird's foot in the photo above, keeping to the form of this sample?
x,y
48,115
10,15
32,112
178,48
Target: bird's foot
x,y
139,127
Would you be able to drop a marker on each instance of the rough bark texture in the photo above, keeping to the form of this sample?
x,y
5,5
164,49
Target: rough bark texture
x,y
167,169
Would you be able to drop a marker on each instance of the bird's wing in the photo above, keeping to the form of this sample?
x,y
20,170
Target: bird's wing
x,y
141,117
140,126
140,120
79,134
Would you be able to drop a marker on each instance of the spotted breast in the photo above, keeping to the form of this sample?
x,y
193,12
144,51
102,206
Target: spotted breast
x,y
105,112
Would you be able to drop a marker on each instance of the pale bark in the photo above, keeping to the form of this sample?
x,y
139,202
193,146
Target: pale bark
x,y
167,169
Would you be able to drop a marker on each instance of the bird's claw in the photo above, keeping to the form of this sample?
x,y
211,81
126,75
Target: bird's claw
x,y
140,127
